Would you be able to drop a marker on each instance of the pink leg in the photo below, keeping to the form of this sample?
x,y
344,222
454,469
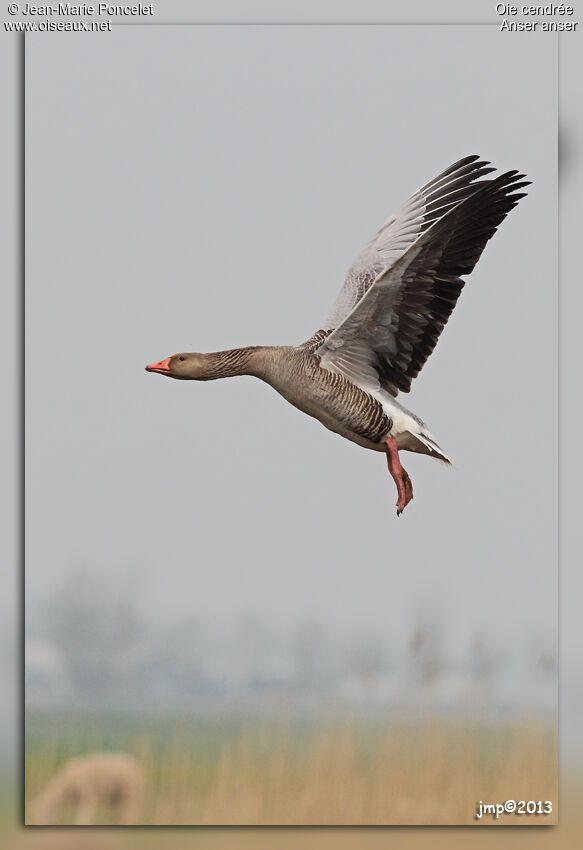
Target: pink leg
x,y
400,476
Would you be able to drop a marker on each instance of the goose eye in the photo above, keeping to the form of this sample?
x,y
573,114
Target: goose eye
x,y
181,357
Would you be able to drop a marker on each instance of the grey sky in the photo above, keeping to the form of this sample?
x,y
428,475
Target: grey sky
x,y
197,189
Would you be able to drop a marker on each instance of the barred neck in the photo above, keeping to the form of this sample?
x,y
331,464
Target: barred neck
x,y
237,361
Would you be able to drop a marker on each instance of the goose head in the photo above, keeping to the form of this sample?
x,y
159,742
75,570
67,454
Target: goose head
x,y
188,367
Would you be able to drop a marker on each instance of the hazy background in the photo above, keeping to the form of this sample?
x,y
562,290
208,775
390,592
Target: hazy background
x,y
571,129
200,188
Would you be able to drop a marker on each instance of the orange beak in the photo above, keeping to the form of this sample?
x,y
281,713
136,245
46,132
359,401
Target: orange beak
x,y
163,367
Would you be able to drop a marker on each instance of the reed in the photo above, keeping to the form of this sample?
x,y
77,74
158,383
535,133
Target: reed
x,y
399,771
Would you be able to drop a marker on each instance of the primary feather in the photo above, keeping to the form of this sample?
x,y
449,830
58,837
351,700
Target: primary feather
x,y
401,290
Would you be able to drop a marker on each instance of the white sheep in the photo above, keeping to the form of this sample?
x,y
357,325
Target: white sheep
x,y
85,783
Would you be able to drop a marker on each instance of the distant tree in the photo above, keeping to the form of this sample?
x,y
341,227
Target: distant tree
x,y
366,655
546,663
176,661
247,647
96,627
484,661
426,651
309,651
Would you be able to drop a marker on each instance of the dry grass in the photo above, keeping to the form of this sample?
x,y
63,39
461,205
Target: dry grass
x,y
338,773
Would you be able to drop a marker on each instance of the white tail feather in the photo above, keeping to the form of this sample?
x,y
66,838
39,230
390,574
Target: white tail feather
x,y
430,443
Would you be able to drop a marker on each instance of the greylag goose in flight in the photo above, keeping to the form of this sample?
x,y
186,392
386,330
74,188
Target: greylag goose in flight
x,y
385,323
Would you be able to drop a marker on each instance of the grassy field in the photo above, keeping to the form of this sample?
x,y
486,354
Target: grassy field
x,y
339,772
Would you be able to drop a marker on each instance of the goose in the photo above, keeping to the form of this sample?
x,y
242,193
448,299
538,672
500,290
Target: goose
x,y
396,299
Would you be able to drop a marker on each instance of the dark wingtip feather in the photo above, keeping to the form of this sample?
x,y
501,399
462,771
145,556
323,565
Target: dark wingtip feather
x,y
455,167
464,161
464,230
508,177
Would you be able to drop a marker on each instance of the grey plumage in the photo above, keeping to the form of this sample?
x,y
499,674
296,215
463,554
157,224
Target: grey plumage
x,y
396,299
400,292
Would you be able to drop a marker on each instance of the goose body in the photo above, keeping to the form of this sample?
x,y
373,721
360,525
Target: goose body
x,y
395,301
359,415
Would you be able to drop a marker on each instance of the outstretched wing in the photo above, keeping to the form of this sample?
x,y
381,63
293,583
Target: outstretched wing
x,y
400,292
